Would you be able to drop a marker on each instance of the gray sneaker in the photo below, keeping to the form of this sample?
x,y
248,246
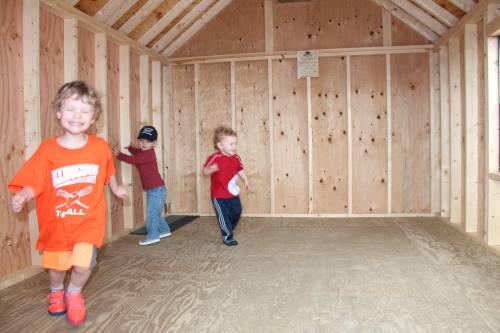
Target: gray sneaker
x,y
165,234
148,241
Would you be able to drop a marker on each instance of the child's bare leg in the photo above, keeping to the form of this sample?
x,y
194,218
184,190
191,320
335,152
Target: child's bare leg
x,y
79,277
56,279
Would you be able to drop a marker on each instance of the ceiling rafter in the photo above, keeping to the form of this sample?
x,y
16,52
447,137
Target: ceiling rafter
x,y
182,24
439,12
465,5
72,2
408,19
140,16
421,16
193,29
113,10
164,21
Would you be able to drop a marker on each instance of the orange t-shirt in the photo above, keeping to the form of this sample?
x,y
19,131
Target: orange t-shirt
x,y
69,192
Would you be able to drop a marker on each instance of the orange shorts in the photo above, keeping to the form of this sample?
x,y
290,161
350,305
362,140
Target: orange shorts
x,y
83,255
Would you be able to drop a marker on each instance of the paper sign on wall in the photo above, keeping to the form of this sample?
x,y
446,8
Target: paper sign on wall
x,y
307,64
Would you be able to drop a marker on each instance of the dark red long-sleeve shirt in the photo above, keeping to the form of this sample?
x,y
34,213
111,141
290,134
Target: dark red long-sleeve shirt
x,y
145,161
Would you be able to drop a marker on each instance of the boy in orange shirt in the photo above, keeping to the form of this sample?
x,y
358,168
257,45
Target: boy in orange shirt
x,y
66,176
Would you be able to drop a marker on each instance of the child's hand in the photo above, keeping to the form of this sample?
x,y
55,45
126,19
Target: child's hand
x,y
121,192
20,198
248,187
211,168
115,151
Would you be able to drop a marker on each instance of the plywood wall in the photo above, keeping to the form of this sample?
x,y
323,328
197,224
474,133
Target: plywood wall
x,y
290,139
215,110
239,28
86,56
329,129
113,108
402,34
183,190
14,253
135,125
410,133
322,24
252,126
369,133
481,128
51,69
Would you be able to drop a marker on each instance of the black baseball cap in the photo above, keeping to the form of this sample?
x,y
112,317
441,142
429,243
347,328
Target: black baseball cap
x,y
148,133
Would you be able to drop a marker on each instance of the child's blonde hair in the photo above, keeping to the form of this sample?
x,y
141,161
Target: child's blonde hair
x,y
220,133
82,90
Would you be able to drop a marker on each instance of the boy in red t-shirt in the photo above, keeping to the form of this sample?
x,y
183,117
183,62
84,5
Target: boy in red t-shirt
x,y
224,167
66,175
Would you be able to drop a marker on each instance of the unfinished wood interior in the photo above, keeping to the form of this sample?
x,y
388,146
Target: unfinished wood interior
x,y
400,122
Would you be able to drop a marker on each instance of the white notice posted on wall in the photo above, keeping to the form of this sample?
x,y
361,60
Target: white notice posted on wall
x,y
307,64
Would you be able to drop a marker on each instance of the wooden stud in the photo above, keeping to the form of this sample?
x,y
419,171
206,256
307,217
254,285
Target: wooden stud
x,y
125,137
409,20
186,20
62,9
168,134
310,146
156,97
445,131
101,74
421,16
464,5
139,16
472,129
492,184
70,49
434,105
455,132
349,134
101,80
269,26
164,21
31,94
387,27
389,130
144,90
271,134
233,97
193,29
113,10
437,11
197,134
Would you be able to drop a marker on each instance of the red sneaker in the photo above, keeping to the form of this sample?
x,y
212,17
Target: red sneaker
x,y
57,306
76,308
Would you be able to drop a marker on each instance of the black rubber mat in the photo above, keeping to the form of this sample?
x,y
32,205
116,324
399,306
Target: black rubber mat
x,y
174,221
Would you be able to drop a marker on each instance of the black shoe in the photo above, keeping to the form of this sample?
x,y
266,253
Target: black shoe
x,y
230,242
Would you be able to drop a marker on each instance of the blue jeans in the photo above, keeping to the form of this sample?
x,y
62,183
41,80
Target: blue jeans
x,y
155,223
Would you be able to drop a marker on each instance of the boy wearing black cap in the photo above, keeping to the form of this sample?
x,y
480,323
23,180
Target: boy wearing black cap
x,y
144,158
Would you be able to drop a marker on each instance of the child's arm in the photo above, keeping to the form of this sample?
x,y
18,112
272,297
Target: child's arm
x,y
210,169
133,150
243,176
118,190
21,198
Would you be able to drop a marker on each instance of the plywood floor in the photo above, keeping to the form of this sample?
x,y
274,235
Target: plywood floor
x,y
287,275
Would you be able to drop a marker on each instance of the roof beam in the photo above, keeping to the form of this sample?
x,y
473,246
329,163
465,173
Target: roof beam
x,y
113,10
421,16
164,21
183,23
140,16
439,12
464,5
72,2
408,19
64,10
186,35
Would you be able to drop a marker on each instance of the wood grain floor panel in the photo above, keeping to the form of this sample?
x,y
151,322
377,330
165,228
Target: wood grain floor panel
x,y
286,275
